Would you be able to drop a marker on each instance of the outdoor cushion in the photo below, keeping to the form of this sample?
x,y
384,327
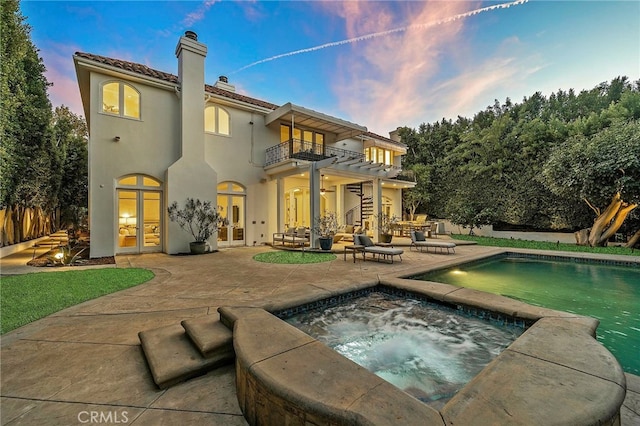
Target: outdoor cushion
x,y
384,250
365,241
348,229
387,253
419,236
442,245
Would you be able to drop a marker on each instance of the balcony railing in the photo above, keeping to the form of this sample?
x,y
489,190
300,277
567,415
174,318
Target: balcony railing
x,y
406,176
301,150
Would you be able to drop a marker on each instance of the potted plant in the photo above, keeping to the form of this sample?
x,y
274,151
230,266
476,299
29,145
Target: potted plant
x,y
325,227
198,218
384,224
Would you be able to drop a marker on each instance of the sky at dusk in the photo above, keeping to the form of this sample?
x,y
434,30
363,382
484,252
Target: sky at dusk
x,y
379,64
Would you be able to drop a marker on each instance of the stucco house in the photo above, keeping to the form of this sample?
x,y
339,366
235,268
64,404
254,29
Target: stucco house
x,y
156,138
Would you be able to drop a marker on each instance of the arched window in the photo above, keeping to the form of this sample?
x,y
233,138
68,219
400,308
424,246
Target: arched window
x,y
139,181
217,120
120,99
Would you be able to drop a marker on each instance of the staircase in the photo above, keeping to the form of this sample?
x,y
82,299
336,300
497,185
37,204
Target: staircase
x,y
56,239
192,348
366,203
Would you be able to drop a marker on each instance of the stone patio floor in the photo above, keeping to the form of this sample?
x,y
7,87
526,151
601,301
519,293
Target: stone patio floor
x,y
85,364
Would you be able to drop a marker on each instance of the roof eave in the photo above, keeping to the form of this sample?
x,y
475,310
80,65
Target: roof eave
x,y
116,71
341,128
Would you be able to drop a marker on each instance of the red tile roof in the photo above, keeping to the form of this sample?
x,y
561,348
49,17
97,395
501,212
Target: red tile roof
x,y
150,72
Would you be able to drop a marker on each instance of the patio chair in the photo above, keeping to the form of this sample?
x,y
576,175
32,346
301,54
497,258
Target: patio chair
x,y
434,229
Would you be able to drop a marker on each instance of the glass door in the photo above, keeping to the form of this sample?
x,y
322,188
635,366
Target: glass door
x,y
231,206
297,207
127,222
237,222
151,212
139,229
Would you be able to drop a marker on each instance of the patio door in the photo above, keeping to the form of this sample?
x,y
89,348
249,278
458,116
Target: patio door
x,y
139,217
231,205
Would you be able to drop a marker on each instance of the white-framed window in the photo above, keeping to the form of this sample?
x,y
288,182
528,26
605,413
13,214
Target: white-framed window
x,y
120,99
217,120
379,155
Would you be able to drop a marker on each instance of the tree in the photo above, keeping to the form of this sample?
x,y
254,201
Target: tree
x,y
419,195
495,161
594,169
25,116
468,208
69,142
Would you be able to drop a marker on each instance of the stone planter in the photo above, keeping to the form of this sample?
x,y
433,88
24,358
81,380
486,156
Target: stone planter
x,y
198,247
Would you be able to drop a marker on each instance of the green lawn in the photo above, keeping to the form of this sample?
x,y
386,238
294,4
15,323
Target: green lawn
x,y
544,245
26,298
293,257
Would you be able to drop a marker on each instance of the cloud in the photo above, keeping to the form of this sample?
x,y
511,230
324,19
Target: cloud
x,y
394,76
57,59
198,14
478,83
382,82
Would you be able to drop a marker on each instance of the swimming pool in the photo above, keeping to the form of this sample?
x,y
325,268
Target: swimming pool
x,y
428,350
608,292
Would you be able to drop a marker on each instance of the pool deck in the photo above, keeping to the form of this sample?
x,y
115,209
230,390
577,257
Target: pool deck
x,y
87,361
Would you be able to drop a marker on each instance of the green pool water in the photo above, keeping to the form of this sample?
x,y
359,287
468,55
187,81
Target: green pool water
x,y
608,293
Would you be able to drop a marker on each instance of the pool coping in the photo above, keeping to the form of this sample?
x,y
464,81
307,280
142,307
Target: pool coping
x,y
554,373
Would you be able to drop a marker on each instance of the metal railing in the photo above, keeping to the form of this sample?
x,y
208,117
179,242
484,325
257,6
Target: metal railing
x,y
302,150
407,177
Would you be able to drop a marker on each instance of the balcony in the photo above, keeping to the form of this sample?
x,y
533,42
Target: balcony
x,y
296,149
283,157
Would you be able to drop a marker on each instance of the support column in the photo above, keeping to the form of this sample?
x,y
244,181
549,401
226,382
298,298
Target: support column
x,y
340,204
280,204
377,204
314,201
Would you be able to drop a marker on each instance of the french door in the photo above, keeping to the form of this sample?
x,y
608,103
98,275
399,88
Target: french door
x,y
231,206
139,221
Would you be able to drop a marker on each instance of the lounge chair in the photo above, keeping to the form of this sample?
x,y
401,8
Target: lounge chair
x,y
419,241
385,253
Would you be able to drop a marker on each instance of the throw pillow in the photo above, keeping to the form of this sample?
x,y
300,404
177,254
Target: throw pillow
x,y
366,241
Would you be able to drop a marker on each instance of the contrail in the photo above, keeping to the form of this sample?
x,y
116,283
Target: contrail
x,y
383,33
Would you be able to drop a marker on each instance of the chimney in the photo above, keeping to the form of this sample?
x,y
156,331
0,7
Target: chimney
x,y
191,55
394,135
223,83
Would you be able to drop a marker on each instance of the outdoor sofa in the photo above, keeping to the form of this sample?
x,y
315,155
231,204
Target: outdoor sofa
x,y
294,237
347,232
377,252
419,241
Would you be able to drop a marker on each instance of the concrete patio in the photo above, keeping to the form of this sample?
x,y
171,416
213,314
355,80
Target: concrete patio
x,y
86,360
